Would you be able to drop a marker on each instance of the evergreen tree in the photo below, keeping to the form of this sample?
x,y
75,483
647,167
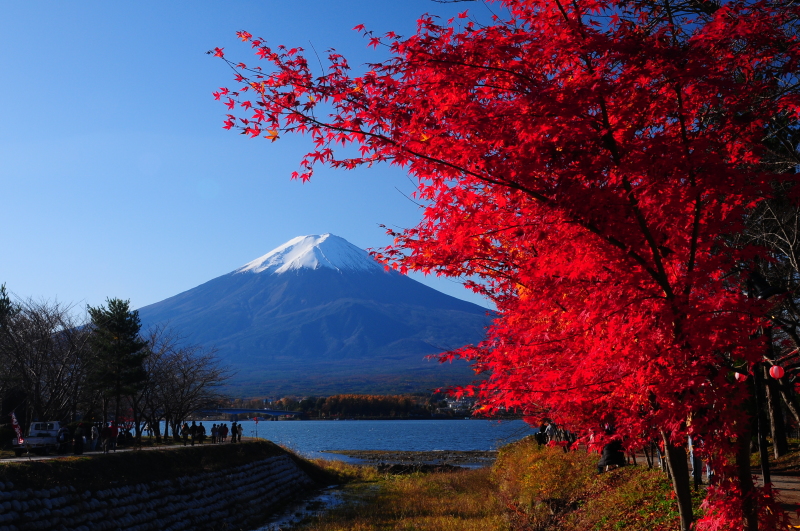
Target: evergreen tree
x,y
119,351
7,308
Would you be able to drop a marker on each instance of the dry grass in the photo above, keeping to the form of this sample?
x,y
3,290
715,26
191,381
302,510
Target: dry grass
x,y
341,472
530,488
450,501
789,463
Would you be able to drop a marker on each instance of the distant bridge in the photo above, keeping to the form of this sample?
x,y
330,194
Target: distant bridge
x,y
237,411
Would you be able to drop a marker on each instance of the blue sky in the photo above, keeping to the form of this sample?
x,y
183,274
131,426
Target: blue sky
x,y
116,177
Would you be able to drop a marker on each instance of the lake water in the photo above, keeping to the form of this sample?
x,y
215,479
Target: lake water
x,y
311,438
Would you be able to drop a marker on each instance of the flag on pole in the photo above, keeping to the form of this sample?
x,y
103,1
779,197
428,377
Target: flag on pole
x,y
17,428
255,419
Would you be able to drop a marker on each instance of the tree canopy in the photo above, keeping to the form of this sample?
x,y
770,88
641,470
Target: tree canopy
x,y
120,353
589,162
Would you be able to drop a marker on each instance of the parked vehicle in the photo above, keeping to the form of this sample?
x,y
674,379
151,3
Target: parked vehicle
x,y
42,438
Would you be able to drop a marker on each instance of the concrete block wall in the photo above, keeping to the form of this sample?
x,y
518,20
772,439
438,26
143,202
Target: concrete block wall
x,y
208,500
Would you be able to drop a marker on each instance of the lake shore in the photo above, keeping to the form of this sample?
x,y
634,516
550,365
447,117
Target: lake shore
x,y
470,459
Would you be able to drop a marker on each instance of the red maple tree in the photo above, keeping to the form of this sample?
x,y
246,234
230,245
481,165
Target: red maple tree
x,y
586,161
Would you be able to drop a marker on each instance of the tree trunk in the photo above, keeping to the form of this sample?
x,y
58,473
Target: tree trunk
x,y
761,423
677,460
137,426
750,515
780,446
790,399
157,429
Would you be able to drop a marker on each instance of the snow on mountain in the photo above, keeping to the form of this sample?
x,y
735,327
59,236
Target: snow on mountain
x,y
313,252
338,323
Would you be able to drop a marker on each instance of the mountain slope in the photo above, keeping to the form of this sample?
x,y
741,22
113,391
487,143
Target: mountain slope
x,y
319,315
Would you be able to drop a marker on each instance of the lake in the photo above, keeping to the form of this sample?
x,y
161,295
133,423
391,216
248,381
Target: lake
x,y
311,438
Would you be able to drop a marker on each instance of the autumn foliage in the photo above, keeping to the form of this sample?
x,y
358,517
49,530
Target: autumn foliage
x,y
587,161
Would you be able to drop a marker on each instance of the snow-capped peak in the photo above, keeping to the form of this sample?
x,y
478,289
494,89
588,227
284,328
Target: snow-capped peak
x,y
313,252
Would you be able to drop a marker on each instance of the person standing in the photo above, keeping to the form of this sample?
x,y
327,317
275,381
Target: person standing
x,y
185,432
114,435
550,431
105,434
214,433
201,433
223,432
77,447
95,437
234,431
193,432
62,438
239,431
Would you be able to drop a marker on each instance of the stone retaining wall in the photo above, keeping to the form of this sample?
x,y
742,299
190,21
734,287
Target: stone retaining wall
x,y
235,497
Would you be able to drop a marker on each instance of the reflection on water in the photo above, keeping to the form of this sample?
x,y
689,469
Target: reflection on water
x,y
315,505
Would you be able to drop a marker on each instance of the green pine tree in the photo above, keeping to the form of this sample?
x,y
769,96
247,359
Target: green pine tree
x,y
7,308
119,351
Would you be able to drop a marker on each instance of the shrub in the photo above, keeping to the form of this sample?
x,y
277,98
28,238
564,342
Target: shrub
x,y
544,488
540,484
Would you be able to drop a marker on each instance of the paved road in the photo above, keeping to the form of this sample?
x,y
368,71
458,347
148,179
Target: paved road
x,y
34,457
788,487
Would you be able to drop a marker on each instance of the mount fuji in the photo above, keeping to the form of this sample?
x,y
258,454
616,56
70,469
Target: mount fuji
x,y
318,315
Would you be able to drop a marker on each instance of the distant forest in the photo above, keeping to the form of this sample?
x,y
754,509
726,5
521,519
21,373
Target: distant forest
x,y
362,406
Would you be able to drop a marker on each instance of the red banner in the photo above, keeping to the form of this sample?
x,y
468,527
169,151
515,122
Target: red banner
x,y
17,428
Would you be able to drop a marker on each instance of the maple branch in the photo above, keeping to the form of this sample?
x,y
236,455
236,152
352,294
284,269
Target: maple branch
x,y
404,195
562,389
697,209
659,274
591,227
481,67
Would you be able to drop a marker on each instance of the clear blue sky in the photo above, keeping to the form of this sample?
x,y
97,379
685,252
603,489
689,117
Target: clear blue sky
x,y
117,179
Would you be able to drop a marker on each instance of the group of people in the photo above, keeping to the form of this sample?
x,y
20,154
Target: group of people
x,y
219,434
86,438
612,455
551,434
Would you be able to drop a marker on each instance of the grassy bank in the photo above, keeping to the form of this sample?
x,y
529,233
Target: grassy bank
x,y
544,488
529,488
126,468
460,501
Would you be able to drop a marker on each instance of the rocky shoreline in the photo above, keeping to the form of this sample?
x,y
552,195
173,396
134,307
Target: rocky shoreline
x,y
421,460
